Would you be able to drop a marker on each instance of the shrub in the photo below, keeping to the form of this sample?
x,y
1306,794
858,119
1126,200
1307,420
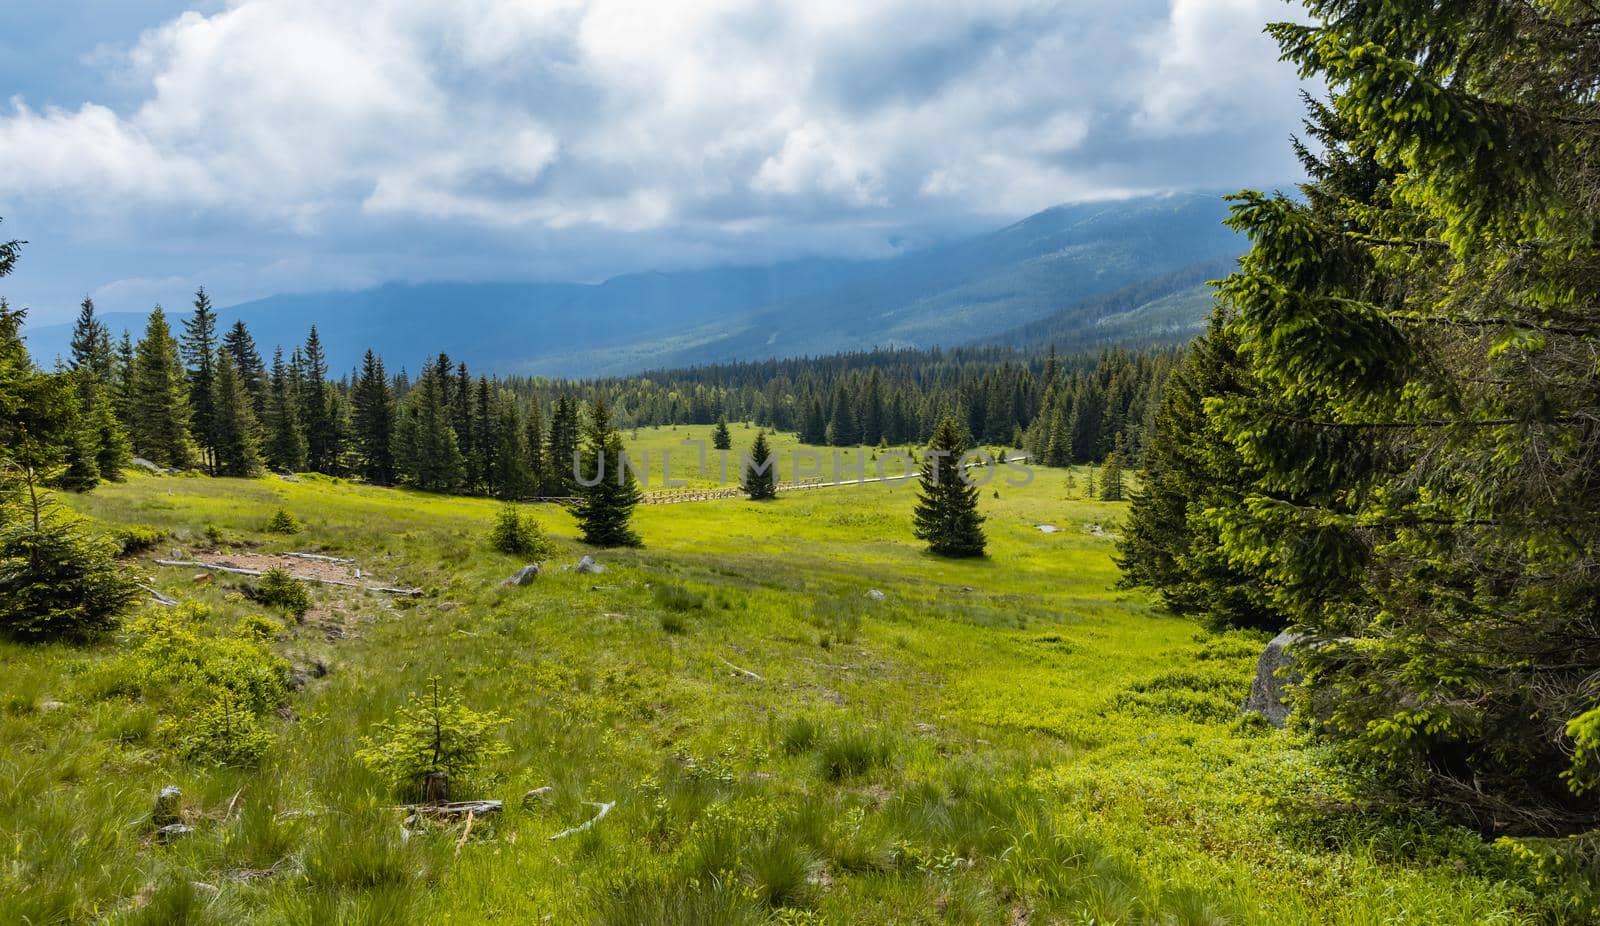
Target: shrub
x,y
58,582
137,538
433,733
673,622
257,627
168,651
214,535
279,589
518,535
224,733
282,522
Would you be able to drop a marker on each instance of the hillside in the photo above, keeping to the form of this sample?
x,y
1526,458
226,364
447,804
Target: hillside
x,y
958,292
997,740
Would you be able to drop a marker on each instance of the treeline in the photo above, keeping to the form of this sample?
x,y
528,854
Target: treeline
x,y
1389,438
197,398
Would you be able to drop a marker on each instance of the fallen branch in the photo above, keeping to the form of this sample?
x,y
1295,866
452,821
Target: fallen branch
x,y
469,808
741,670
605,808
256,573
465,831
160,598
321,558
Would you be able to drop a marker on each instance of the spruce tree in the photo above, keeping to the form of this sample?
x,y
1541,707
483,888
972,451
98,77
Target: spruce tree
x,y
199,350
372,413
122,381
101,450
563,444
946,515
721,439
1111,488
90,344
814,425
425,440
760,480
605,509
159,414
511,476
315,414
533,440
286,439
247,359
843,429
234,431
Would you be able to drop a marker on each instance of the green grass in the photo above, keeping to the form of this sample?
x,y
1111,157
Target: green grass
x,y
1004,739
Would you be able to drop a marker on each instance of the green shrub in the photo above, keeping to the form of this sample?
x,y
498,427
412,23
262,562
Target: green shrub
x,y
279,589
518,535
282,522
137,538
433,733
214,535
57,581
171,661
224,733
257,627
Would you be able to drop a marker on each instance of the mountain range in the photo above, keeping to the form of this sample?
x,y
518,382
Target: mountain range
x,y
1077,275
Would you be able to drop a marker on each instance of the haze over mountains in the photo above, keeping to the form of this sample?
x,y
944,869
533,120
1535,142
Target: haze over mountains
x,y
1078,275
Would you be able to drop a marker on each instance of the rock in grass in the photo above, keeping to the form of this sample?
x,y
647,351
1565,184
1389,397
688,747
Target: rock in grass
x,y
524,576
448,605
168,803
589,566
1267,689
172,832
874,594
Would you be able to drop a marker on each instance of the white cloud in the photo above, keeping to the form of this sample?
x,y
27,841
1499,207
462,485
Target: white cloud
x,y
677,127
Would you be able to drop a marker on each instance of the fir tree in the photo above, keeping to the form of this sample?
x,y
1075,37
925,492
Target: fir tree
x,y
199,351
316,416
814,426
122,381
159,414
425,440
241,347
533,440
1111,487
235,433
946,515
511,474
90,344
373,421
721,439
286,440
760,480
605,509
843,429
563,445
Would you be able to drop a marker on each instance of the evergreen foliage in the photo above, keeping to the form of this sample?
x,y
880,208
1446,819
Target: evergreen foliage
x,y
198,348
946,515
235,441
286,440
605,508
426,451
760,480
433,734
721,439
159,414
518,534
1111,487
372,412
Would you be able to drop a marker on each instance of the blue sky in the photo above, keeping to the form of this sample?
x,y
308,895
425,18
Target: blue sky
x,y
262,146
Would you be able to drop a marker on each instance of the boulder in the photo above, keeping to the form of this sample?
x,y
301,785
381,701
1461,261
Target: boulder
x,y
589,566
1268,688
524,576
173,831
169,802
874,594
448,605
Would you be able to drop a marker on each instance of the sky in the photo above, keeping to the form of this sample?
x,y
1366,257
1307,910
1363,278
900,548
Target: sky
x,y
267,146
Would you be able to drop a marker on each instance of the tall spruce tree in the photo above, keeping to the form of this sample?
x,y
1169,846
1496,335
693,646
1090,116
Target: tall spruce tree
x,y
760,480
425,440
1423,328
93,367
235,432
605,509
316,416
1111,487
563,444
158,407
285,438
372,413
199,350
247,359
843,428
946,516
721,439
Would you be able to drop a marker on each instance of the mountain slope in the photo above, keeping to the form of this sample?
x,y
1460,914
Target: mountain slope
x,y
972,289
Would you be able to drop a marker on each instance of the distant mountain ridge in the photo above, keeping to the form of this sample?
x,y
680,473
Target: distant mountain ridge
x,y
1003,286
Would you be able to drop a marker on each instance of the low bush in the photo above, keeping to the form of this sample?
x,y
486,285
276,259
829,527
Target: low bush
x,y
225,734
434,732
279,589
137,538
518,535
282,522
57,581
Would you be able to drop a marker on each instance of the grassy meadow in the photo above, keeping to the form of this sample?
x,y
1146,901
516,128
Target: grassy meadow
x,y
1006,740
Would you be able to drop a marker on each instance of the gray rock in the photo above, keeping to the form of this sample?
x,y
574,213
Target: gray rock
x,y
525,575
1268,688
1048,528
169,801
448,605
173,831
874,594
589,566
52,706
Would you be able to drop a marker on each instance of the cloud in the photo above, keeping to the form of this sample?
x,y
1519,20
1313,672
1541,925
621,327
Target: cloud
x,y
564,138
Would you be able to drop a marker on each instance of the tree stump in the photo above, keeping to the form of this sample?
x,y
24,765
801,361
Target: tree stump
x,y
436,788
